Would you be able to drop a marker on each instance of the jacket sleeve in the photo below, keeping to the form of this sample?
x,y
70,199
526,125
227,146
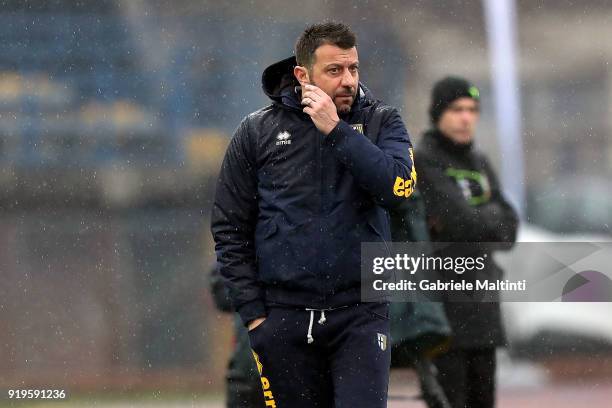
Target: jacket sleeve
x,y
408,221
449,213
233,219
508,220
384,169
217,290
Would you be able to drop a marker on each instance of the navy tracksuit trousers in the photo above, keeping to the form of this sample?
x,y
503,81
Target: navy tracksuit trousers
x,y
335,358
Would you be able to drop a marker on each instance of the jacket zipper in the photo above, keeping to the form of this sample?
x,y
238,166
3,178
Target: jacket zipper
x,y
320,212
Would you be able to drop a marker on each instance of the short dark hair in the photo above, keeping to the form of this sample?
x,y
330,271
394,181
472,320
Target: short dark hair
x,y
316,35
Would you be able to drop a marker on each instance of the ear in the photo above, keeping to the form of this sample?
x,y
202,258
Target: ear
x,y
301,74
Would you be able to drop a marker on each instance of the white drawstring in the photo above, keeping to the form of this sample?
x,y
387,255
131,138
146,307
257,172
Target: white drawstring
x,y
309,335
321,321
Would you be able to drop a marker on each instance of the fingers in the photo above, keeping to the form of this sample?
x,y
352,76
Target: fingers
x,y
314,89
307,101
316,102
315,96
311,96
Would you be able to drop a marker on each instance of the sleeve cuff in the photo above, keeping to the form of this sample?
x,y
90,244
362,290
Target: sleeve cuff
x,y
251,311
338,133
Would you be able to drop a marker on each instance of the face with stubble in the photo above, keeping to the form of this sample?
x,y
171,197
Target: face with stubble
x,y
336,72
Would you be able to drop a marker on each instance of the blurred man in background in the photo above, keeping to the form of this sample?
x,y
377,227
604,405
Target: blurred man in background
x,y
304,182
464,203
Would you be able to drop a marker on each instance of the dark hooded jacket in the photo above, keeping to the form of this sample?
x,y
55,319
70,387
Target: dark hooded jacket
x,y
464,203
293,206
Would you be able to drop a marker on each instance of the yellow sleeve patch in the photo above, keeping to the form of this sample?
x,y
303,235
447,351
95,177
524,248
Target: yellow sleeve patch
x,y
405,188
402,188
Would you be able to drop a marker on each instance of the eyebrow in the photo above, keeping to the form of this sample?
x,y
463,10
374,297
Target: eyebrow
x,y
338,64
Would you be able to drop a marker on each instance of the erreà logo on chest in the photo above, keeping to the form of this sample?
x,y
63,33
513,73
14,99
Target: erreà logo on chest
x,y
283,138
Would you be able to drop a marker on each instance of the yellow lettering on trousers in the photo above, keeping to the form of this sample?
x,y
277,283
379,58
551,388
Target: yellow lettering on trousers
x,y
265,384
269,398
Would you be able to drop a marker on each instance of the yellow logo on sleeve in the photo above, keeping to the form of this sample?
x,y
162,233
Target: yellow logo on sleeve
x,y
404,188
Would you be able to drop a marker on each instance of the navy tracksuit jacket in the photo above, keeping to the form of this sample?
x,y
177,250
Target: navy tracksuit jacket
x,y
291,210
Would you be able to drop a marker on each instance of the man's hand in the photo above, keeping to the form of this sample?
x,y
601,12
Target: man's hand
x,y
321,108
255,322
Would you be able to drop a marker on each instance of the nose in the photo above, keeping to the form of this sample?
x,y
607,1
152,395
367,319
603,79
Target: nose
x,y
467,115
348,80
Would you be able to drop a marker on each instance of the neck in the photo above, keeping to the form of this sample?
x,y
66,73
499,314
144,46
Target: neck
x,y
450,144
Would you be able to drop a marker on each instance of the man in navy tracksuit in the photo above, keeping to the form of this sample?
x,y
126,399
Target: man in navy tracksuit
x,y
304,182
